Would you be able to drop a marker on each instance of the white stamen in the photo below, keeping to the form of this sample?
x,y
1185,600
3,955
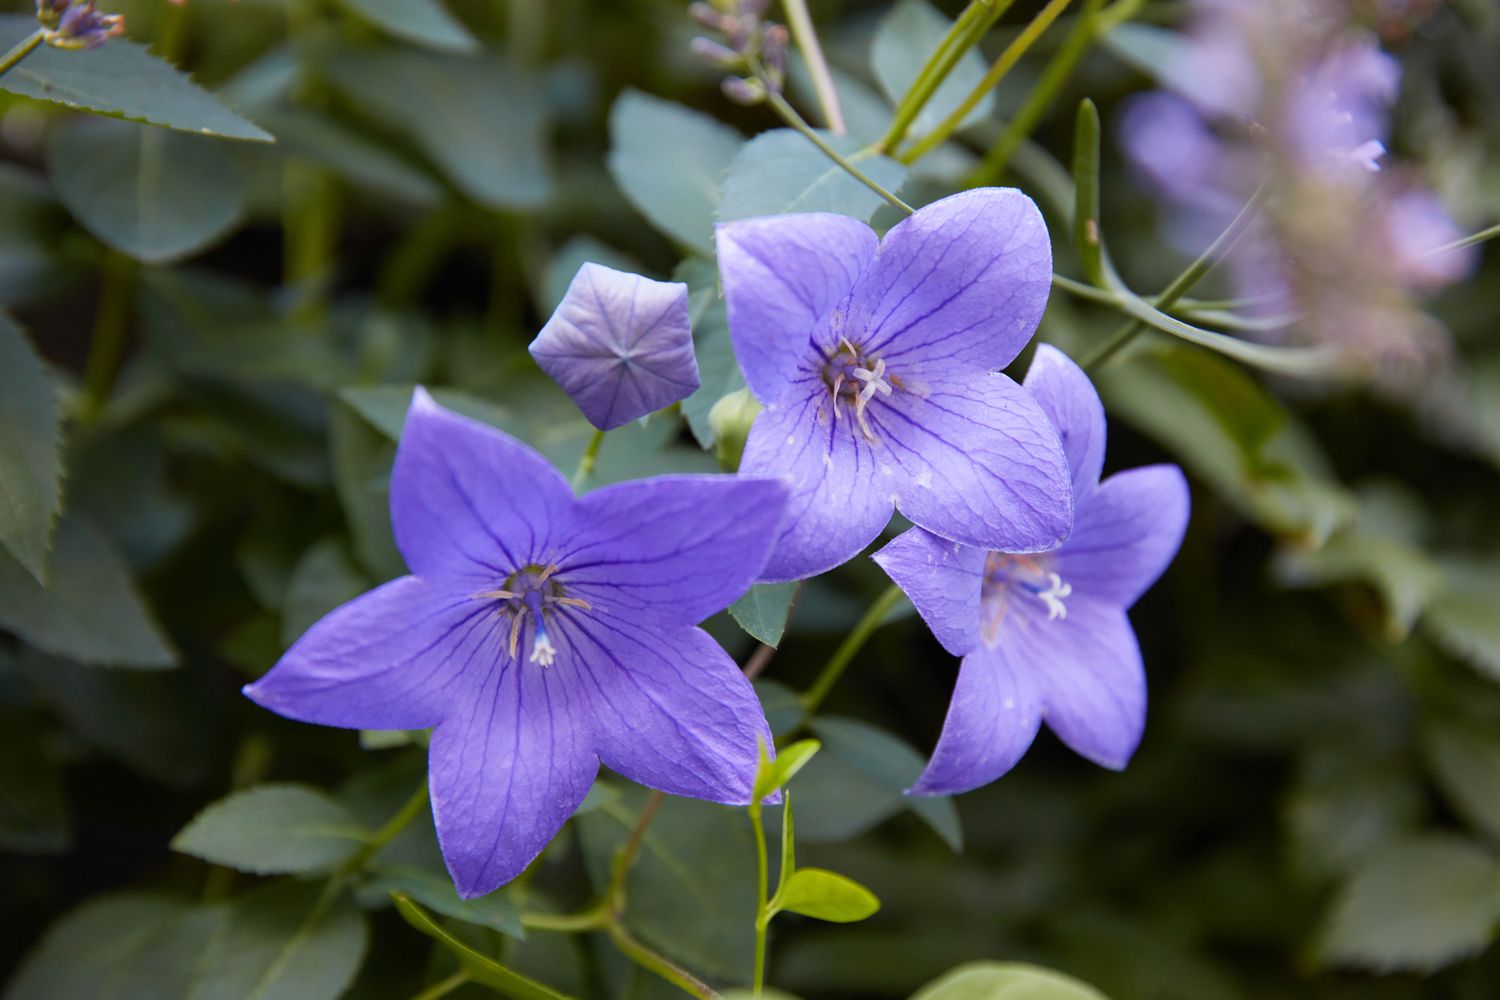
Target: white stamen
x,y
542,650
1367,155
874,381
1053,597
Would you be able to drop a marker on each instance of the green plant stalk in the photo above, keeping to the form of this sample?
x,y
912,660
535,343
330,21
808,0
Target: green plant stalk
x,y
806,37
309,213
409,811
111,326
1003,65
21,50
588,460
654,961
853,642
1058,70
1472,239
789,115
976,19
443,987
762,890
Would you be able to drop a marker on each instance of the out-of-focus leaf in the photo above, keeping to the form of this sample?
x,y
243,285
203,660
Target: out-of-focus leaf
x,y
278,943
362,458
826,895
1346,804
763,611
1465,758
435,891
120,481
480,119
907,36
273,830
32,224
89,611
1006,981
780,171
385,406
784,709
426,22
771,775
1155,51
152,194
718,370
33,811
1464,614
30,462
323,140
120,79
482,968
323,579
568,258
670,162
1417,905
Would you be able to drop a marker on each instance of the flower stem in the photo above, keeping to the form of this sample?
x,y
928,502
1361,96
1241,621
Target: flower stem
x,y
654,961
1003,65
111,325
614,894
762,886
872,620
21,50
393,826
789,115
443,987
806,37
1472,239
971,25
589,459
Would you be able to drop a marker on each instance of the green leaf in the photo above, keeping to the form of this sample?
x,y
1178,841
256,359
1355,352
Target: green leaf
x,y
90,610
907,35
1417,905
1156,52
763,611
483,968
482,121
128,946
1346,803
1006,981
30,462
324,578
1086,236
1465,759
324,140
121,80
435,891
718,369
825,895
771,775
565,261
1464,614
273,830
781,171
154,195
425,22
283,942
670,162
33,810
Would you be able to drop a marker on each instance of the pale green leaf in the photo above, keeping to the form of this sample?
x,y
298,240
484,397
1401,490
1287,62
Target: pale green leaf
x,y
273,829
1006,981
30,463
764,609
781,171
1465,759
825,895
322,139
425,22
771,775
481,967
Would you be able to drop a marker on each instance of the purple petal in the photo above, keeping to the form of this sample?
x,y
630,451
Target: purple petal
x,y
389,659
671,549
507,767
992,720
960,284
943,579
670,709
1070,402
975,459
1126,534
837,505
620,345
782,274
469,504
1093,685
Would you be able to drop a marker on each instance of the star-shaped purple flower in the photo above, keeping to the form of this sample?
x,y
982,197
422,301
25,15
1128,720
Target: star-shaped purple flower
x,y
1045,636
620,345
877,365
540,634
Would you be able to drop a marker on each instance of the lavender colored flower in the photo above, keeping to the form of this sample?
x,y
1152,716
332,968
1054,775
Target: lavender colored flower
x,y
620,345
877,365
1045,636
540,634
75,24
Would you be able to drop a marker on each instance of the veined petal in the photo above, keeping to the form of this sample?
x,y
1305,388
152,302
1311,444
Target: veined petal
x,y
470,504
674,548
943,579
670,710
960,284
992,720
1089,672
837,503
1126,534
620,345
507,767
782,274
1071,403
390,659
973,458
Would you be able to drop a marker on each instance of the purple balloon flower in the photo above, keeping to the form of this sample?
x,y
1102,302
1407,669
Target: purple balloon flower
x,y
1046,636
539,635
876,362
620,345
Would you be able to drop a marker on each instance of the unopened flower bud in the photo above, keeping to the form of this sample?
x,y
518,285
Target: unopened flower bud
x,y
773,53
75,24
754,8
707,16
730,420
712,52
742,90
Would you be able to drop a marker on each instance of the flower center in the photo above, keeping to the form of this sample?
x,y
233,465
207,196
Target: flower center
x,y
1010,578
532,594
854,379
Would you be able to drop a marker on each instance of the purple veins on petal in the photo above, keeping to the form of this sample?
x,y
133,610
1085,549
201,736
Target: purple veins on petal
x,y
620,345
539,634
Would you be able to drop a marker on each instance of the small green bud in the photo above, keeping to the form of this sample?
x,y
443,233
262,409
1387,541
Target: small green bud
x,y
730,420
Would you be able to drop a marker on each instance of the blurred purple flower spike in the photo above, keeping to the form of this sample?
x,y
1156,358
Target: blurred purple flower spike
x,y
75,24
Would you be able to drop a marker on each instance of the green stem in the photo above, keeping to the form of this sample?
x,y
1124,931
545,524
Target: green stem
x,y
1468,241
22,49
762,887
1058,70
393,826
444,987
309,201
614,893
111,325
966,32
591,919
852,643
789,115
806,37
658,963
589,459
1003,65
